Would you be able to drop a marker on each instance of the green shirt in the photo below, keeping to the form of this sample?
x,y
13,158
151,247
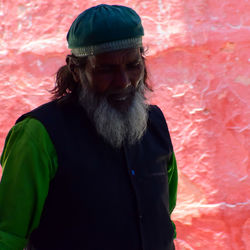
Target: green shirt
x,y
29,162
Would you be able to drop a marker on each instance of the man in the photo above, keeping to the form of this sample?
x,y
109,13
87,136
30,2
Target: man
x,y
94,168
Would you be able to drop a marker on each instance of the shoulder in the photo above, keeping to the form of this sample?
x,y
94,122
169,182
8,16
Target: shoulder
x,y
43,110
28,131
156,112
54,112
28,139
156,116
30,126
158,126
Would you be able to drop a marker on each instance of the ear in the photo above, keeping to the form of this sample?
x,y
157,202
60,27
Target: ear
x,y
72,67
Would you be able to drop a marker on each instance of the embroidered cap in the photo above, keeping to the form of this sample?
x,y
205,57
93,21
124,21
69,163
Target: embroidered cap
x,y
105,28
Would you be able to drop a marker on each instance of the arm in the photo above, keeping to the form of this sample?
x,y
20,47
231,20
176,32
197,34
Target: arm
x,y
29,163
172,183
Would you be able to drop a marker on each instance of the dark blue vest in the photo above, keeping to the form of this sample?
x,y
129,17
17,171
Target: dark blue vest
x,y
104,198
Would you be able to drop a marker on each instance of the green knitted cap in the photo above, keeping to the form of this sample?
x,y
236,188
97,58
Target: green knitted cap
x,y
105,28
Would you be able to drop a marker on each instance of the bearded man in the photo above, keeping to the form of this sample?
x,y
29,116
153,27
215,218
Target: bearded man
x,y
94,168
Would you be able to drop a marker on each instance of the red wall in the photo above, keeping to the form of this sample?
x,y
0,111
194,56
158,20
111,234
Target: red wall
x,y
199,65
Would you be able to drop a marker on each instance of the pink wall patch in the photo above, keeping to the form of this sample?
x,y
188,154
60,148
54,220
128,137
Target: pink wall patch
x,y
199,67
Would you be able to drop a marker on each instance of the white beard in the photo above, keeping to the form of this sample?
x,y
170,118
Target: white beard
x,y
114,126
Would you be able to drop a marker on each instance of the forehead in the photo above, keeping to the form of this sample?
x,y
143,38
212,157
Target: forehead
x,y
116,57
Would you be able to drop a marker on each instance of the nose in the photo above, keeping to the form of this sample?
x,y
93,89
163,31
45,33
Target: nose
x,y
121,79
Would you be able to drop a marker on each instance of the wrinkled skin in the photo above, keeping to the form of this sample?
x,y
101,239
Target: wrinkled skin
x,y
115,75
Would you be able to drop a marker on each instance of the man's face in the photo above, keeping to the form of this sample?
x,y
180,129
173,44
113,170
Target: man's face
x,y
116,76
113,94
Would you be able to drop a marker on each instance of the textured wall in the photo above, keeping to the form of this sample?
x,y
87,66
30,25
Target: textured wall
x,y
199,63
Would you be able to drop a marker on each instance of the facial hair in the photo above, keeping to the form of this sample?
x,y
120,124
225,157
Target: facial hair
x,y
114,126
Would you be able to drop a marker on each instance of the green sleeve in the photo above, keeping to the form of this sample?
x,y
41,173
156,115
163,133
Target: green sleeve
x,y
172,183
29,162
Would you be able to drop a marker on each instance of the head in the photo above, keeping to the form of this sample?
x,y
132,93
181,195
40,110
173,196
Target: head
x,y
107,78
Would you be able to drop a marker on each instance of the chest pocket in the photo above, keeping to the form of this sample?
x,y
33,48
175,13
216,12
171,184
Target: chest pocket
x,y
154,168
152,184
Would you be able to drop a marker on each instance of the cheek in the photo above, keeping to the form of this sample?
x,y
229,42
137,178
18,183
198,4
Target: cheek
x,y
97,83
136,77
100,84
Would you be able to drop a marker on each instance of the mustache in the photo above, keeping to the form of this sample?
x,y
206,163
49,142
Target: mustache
x,y
130,90
127,91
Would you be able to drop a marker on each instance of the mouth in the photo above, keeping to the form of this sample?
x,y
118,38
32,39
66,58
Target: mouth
x,y
121,101
121,95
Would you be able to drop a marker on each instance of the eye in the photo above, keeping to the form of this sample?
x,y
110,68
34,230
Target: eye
x,y
103,70
132,66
